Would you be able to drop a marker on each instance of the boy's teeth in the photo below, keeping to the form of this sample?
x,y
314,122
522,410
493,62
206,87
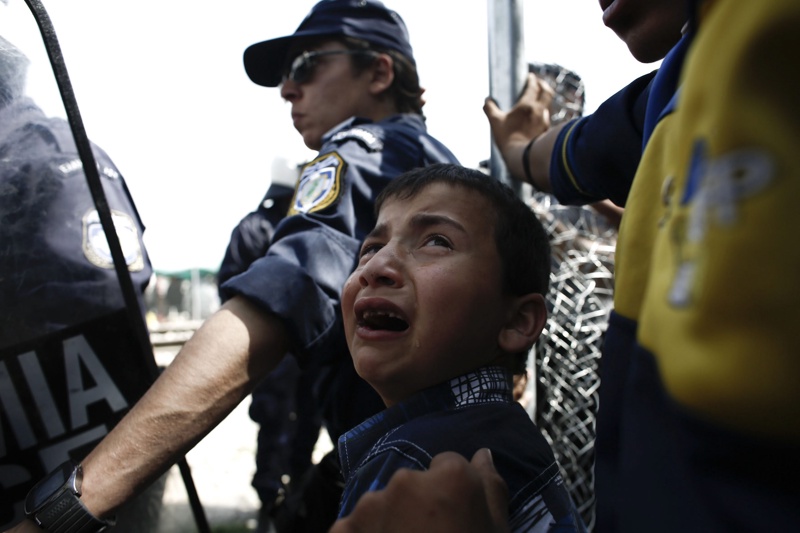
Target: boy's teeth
x,y
384,320
371,314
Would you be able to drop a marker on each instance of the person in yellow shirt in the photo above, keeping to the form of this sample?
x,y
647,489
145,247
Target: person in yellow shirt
x,y
701,357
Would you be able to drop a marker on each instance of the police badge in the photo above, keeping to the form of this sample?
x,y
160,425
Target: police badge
x,y
95,245
319,185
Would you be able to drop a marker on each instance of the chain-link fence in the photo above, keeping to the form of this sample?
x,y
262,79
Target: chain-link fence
x,y
568,353
567,356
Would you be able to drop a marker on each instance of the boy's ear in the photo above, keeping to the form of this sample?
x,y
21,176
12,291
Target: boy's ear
x,y
382,73
526,320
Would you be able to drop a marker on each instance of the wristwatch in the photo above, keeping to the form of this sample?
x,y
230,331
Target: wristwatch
x,y
54,503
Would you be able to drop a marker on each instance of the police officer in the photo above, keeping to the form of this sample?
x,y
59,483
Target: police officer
x,y
250,238
282,404
56,272
55,263
349,74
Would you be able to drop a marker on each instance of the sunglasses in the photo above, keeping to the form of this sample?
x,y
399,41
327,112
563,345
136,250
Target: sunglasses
x,y
303,65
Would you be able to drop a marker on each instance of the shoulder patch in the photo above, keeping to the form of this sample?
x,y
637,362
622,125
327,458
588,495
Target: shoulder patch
x,y
70,166
364,136
95,245
76,164
320,184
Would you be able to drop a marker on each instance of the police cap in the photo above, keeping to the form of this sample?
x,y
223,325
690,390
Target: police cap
x,y
368,20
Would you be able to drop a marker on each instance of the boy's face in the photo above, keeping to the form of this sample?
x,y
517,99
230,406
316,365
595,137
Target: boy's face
x,y
425,303
332,93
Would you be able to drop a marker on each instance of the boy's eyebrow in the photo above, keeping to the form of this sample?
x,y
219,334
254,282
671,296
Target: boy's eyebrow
x,y
425,220
377,232
418,221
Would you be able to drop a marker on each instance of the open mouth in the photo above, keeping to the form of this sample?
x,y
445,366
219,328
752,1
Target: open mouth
x,y
382,320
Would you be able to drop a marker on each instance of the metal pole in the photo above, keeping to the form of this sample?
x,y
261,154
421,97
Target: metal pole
x,y
508,71
508,68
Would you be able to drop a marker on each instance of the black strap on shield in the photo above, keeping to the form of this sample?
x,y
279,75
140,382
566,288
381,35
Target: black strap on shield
x,y
98,195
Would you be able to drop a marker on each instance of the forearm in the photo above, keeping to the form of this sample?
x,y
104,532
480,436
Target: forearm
x,y
610,211
538,160
210,376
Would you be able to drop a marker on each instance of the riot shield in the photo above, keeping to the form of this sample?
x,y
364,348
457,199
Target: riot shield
x,y
75,354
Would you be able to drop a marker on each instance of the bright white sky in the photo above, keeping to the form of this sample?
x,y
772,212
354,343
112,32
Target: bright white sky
x,y
161,87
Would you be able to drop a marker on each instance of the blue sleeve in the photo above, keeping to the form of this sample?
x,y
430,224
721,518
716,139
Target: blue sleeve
x,y
299,280
315,248
595,157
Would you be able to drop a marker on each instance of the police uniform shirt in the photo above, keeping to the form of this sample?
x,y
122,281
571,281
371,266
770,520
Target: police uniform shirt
x,y
315,248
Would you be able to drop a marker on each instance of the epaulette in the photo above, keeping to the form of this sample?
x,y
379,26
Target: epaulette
x,y
368,139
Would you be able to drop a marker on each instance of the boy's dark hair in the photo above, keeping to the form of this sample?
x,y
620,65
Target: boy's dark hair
x,y
522,242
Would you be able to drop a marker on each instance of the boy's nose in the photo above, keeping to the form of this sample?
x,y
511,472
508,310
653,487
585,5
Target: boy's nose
x,y
376,279
383,269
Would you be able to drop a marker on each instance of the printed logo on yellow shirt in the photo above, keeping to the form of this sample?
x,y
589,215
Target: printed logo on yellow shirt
x,y
714,193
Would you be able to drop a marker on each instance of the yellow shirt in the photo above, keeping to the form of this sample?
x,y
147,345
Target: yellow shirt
x,y
708,260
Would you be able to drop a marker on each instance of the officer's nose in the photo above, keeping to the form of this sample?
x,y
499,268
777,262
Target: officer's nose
x,y
290,90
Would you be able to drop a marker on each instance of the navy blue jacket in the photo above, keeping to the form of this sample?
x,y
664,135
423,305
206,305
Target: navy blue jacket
x,y
463,415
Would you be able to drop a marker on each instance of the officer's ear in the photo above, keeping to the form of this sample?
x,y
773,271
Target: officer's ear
x,y
382,74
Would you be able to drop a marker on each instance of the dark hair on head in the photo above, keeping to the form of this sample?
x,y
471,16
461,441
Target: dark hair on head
x,y
522,242
405,90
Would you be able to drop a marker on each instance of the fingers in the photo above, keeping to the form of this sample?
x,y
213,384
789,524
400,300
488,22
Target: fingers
x,y
482,460
492,110
447,461
536,90
453,496
532,87
494,487
546,92
478,483
369,515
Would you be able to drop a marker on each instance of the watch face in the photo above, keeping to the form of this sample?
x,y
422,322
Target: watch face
x,y
50,485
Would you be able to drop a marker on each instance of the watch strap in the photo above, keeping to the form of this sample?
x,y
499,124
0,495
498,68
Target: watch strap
x,y
68,515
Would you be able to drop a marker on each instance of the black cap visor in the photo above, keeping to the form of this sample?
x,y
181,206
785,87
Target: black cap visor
x,y
266,61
